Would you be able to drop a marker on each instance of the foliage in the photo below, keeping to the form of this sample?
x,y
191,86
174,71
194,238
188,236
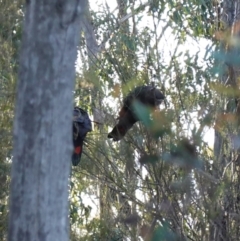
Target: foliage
x,y
163,42
10,31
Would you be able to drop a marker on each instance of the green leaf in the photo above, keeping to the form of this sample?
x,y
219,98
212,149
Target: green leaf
x,y
143,113
163,233
149,159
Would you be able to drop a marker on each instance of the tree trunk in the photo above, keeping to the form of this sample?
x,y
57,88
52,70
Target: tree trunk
x,y
223,227
43,121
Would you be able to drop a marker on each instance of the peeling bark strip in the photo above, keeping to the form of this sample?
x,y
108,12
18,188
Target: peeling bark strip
x,y
42,128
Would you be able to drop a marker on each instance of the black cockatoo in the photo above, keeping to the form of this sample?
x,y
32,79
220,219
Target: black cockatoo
x,y
81,126
146,95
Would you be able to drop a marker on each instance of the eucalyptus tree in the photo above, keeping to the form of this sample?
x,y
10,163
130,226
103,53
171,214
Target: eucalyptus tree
x,y
133,54
151,42
43,121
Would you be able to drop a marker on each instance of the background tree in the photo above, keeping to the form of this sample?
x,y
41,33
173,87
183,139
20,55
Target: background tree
x,y
225,225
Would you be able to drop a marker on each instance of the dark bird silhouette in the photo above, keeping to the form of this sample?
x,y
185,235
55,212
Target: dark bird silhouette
x,y
81,126
146,95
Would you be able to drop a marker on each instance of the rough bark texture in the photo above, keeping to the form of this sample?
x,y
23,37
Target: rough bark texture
x,y
42,128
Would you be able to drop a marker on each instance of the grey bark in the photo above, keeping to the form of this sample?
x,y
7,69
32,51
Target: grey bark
x,y
43,121
91,42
